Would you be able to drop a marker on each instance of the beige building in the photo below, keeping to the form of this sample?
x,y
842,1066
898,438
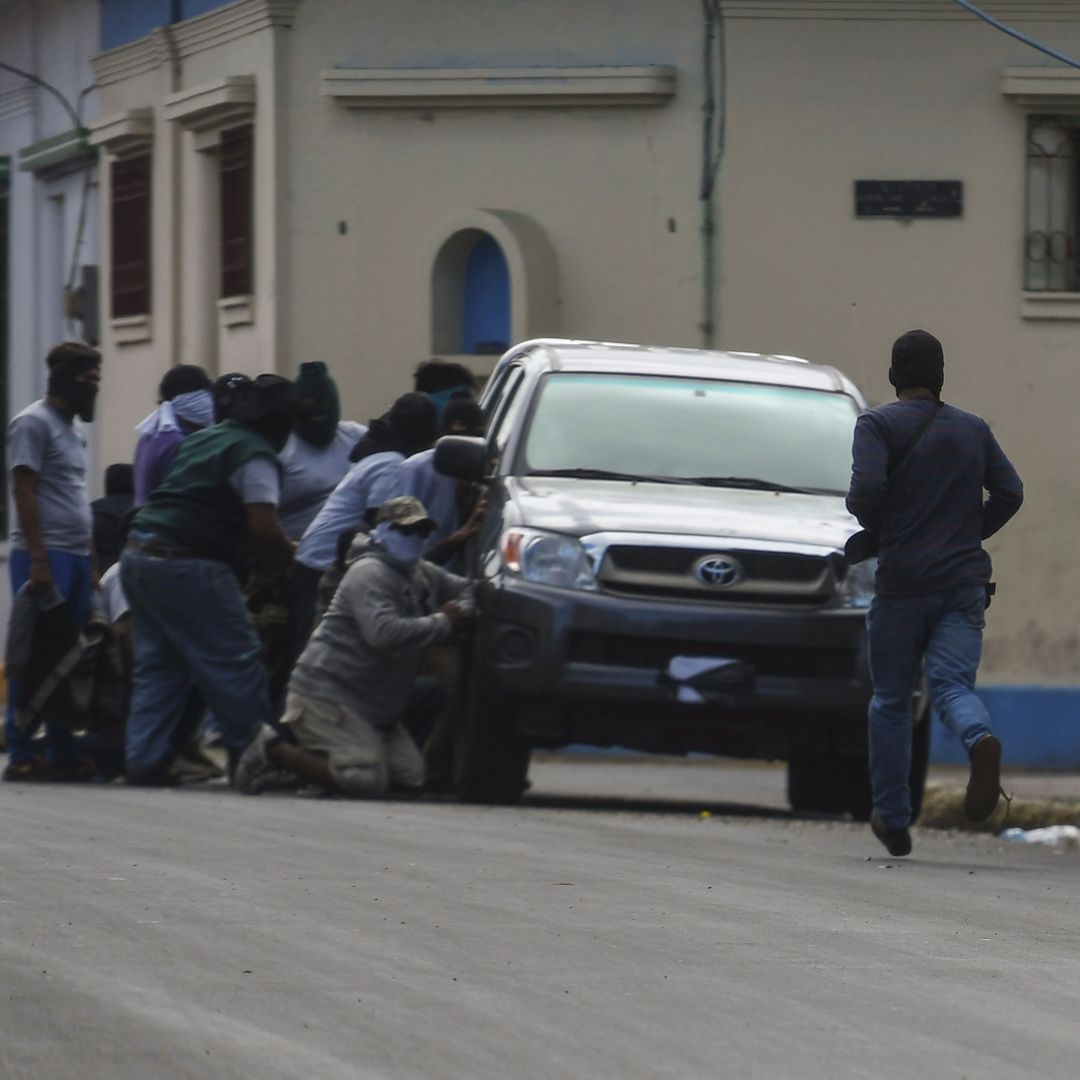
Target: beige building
x,y
370,183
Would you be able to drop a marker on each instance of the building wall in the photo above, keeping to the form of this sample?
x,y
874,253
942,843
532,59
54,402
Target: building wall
x,y
816,103
54,40
354,203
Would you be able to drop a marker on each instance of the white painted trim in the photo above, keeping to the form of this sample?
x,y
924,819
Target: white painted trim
x,y
192,36
236,311
380,88
132,329
17,101
213,105
1041,87
124,134
1050,305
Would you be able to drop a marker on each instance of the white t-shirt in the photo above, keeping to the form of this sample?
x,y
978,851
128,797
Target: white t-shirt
x,y
310,473
257,480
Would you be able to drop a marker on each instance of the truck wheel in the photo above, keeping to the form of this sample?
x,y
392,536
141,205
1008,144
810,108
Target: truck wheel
x,y
828,783
491,760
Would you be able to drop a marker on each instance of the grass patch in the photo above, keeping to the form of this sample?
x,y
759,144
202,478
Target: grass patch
x,y
943,808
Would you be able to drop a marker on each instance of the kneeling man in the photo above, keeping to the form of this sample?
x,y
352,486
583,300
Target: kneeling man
x,y
355,703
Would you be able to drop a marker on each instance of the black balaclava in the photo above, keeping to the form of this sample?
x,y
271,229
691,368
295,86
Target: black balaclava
x,y
443,381
410,426
463,414
225,392
120,480
183,379
67,364
267,405
318,405
917,361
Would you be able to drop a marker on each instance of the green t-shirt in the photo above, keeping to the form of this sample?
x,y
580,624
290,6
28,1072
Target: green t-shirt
x,y
196,506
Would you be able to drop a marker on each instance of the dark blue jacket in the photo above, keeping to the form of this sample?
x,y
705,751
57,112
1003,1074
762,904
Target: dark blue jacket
x,y
932,518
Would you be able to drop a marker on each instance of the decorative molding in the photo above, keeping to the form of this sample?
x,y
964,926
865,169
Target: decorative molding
x,y
212,106
124,134
1040,87
127,61
236,311
381,88
902,10
1050,305
231,22
58,154
17,101
209,31
132,330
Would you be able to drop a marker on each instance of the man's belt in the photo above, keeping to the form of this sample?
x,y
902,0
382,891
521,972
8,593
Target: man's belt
x,y
160,551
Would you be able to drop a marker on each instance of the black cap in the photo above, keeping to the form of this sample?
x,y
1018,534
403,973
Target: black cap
x,y
917,361
263,398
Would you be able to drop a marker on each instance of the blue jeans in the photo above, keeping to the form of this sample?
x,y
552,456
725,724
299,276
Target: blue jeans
x,y
71,574
946,628
189,625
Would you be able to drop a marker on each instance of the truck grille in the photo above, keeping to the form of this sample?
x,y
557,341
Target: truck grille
x,y
766,576
621,650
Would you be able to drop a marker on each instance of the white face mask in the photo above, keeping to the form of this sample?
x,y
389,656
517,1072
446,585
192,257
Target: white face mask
x,y
404,548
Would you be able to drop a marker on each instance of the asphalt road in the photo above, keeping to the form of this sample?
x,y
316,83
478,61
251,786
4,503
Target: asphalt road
x,y
197,933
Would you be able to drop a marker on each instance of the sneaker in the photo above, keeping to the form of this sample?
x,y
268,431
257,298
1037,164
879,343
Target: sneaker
x,y
253,769
984,785
897,841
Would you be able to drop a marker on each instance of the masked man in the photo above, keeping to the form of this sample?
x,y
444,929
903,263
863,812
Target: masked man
x,y
356,703
189,621
186,405
316,456
51,540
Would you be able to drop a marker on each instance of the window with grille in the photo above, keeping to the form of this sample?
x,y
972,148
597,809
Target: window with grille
x,y
130,280
236,156
1052,239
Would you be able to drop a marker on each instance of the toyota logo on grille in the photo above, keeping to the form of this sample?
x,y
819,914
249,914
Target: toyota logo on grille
x,y
718,571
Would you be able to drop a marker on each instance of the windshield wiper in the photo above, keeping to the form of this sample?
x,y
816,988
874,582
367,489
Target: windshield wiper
x,y
607,474
752,483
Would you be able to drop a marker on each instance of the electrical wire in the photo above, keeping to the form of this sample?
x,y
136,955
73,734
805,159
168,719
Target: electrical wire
x,y
998,25
49,88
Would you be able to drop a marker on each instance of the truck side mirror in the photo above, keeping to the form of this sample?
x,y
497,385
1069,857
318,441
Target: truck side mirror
x,y
462,457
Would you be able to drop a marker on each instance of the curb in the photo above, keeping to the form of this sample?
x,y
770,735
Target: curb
x,y
943,808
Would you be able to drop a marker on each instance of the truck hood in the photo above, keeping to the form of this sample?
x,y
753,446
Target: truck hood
x,y
582,507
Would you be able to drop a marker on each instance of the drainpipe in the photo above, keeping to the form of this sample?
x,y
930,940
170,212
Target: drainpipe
x,y
712,152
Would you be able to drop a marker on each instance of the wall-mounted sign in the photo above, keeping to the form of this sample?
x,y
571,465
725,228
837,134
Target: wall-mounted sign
x,y
909,198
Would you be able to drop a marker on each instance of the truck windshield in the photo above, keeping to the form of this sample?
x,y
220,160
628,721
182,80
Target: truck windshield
x,y
727,434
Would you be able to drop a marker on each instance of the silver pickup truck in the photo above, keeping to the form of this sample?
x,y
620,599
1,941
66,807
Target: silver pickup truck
x,y
661,567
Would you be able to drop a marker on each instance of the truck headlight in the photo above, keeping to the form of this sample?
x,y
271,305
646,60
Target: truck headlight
x,y
548,559
857,588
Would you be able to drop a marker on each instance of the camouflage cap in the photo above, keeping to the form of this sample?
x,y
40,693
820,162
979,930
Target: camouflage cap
x,y
403,510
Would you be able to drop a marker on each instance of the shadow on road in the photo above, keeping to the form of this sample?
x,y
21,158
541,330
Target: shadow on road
x,y
641,805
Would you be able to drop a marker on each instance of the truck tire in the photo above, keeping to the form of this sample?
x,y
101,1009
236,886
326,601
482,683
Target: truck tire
x,y
829,783
491,760
823,782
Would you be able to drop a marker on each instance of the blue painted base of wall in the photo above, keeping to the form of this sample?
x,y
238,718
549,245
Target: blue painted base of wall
x,y
1038,725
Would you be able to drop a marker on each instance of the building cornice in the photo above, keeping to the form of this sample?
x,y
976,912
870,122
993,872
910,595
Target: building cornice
x,y
902,10
382,88
124,134
57,154
1042,87
17,101
213,106
192,36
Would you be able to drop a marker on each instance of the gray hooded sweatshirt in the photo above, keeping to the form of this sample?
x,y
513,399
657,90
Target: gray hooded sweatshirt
x,y
365,652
